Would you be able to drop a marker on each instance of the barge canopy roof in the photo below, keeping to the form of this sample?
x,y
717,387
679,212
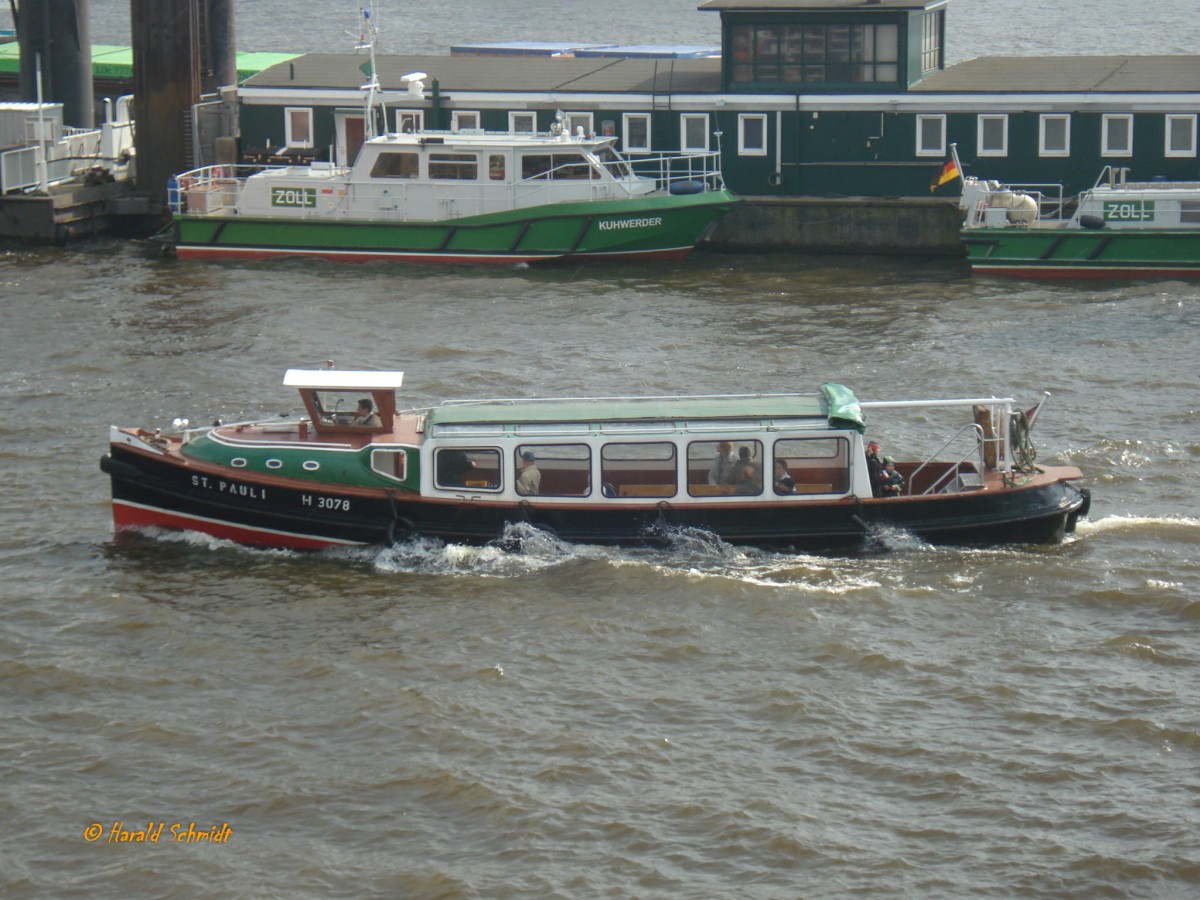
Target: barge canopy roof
x,y
835,405
1066,74
630,409
341,71
528,74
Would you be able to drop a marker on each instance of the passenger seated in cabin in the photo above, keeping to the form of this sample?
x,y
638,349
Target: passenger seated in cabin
x,y
366,415
529,482
875,469
453,468
722,464
784,483
747,480
745,458
891,481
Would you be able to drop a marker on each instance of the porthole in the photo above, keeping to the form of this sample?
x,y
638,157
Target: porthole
x,y
238,462
274,463
310,465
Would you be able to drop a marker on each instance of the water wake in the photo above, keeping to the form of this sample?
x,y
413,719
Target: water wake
x,y
1181,526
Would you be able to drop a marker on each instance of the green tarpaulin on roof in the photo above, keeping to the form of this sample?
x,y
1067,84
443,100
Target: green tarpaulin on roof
x,y
113,62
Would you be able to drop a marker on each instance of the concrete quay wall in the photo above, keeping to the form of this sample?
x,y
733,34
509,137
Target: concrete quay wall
x,y
905,226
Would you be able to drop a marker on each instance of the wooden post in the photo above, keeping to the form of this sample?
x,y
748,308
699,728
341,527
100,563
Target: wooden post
x,y
166,84
983,418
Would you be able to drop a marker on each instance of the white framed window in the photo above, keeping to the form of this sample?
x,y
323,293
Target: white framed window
x,y
297,122
522,122
1054,134
463,120
1116,135
1181,136
410,121
635,132
577,120
992,135
931,135
693,133
931,40
752,134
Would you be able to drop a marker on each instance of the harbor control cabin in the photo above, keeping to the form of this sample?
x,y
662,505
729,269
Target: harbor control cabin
x,y
809,97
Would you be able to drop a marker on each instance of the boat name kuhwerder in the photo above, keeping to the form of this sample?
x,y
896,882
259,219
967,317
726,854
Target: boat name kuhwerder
x,y
611,224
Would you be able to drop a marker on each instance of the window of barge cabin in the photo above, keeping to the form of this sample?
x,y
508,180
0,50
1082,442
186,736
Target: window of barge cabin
x,y
461,120
390,463
298,130
578,120
635,133
693,133
391,164
1116,132
1180,137
707,477
522,122
814,53
565,469
752,135
992,135
818,465
409,121
931,135
638,470
931,41
1054,134
496,167
467,467
454,166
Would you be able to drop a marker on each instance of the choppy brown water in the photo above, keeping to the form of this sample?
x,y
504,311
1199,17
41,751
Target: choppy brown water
x,y
432,721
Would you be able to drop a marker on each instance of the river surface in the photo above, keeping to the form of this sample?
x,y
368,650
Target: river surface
x,y
435,721
973,28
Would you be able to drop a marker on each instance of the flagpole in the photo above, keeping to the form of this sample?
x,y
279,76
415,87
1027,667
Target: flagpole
x,y
954,156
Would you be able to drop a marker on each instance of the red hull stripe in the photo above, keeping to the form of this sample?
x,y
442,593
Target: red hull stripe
x,y
137,515
184,251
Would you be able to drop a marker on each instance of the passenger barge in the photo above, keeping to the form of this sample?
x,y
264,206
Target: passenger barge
x,y
778,470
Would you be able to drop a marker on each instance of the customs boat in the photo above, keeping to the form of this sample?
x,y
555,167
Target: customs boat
x,y
771,470
462,196
455,197
1117,229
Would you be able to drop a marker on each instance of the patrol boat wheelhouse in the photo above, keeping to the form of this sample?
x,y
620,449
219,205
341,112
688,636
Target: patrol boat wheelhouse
x,y
608,471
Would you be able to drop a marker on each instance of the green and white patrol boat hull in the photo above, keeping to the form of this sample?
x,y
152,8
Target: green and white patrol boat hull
x,y
666,226
478,197
1119,229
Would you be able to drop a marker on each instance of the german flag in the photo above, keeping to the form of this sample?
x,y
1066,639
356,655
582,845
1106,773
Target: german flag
x,y
948,173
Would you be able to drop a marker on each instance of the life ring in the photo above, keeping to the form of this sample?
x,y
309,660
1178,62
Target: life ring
x,y
775,179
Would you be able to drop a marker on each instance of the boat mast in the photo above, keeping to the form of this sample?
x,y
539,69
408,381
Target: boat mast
x,y
368,34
